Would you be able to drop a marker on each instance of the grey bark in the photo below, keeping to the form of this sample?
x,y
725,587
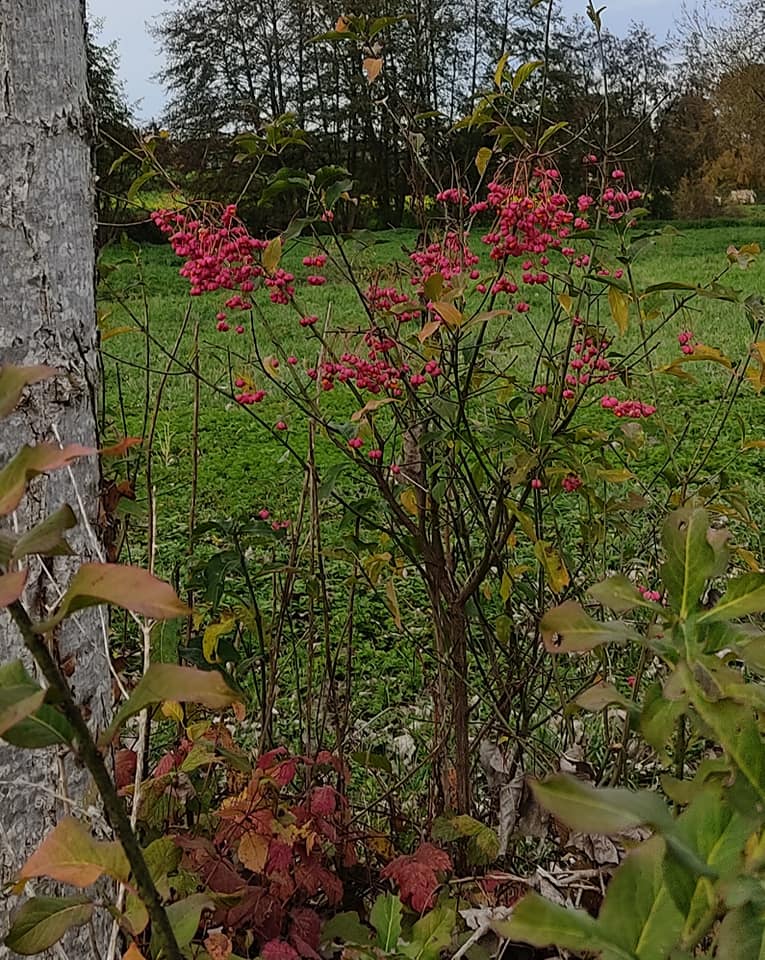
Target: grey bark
x,y
47,315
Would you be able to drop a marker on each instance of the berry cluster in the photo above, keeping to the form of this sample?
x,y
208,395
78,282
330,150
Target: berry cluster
x,y
451,257
384,299
628,408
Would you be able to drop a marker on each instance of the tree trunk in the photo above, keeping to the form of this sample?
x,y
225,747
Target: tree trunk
x,y
47,315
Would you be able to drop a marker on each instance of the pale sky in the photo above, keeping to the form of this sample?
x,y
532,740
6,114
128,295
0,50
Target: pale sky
x,y
126,22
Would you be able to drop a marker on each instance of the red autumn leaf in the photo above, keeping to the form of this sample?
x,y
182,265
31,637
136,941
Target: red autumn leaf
x,y
415,875
312,877
279,857
323,801
12,586
28,463
305,932
125,762
279,950
119,449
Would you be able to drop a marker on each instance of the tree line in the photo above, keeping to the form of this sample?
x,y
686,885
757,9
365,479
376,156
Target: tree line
x,y
684,114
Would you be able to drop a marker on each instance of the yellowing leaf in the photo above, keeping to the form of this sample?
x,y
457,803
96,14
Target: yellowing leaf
x,y
409,502
212,635
392,598
28,463
372,67
14,379
505,587
173,711
370,406
448,312
70,854
566,301
133,953
342,24
619,306
131,588
499,73
11,587
482,159
431,327
553,565
272,255
168,681
253,851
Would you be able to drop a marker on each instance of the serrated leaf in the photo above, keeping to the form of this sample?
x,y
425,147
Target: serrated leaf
x,y
71,855
168,681
14,379
385,917
43,921
431,933
568,629
131,588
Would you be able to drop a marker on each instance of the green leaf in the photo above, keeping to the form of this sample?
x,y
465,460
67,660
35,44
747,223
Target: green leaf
x,y
46,727
499,73
658,718
620,594
18,702
131,588
734,728
42,921
431,933
347,928
372,760
606,810
638,913
385,917
602,695
45,539
744,595
568,629
690,558
168,681
718,834
14,379
523,72
71,855
551,131
184,916
544,924
135,187
742,934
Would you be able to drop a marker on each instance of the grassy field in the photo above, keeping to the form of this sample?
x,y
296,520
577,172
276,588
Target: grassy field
x,y
241,465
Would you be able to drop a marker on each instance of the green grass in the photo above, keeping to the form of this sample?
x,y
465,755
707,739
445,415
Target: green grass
x,y
242,463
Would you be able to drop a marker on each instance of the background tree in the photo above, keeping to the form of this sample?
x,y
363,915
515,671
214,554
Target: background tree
x,y
47,315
